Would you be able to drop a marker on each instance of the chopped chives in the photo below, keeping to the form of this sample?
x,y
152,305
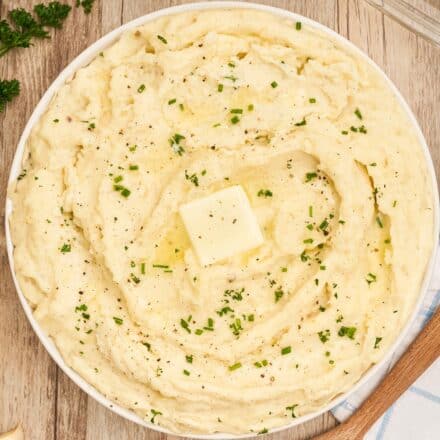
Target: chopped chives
x,y
286,350
235,366
164,41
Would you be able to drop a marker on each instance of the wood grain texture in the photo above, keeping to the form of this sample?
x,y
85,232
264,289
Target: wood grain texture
x,y
413,363
33,390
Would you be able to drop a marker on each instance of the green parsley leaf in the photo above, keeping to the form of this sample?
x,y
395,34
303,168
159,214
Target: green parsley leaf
x,y
8,89
86,5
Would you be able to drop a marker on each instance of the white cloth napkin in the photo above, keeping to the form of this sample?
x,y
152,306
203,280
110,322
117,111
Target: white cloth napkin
x,y
416,415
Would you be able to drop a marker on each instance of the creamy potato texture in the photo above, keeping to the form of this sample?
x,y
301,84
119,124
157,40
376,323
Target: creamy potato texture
x,y
180,108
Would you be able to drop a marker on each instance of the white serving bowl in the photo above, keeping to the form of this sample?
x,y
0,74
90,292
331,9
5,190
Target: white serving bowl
x,y
85,58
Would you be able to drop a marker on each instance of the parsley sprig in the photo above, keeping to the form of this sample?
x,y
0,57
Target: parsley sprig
x,y
23,26
8,91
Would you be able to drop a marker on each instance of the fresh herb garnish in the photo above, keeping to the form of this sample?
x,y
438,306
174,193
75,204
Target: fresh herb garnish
x,y
23,27
347,331
175,143
236,295
192,178
164,41
224,311
371,278
155,413
8,89
86,5
377,342
304,257
292,409
65,248
274,84
264,193
260,364
185,324
220,88
311,176
298,25
379,222
141,88
236,327
235,119
324,335
301,123
234,367
278,294
231,77
117,320
358,113
286,350
125,192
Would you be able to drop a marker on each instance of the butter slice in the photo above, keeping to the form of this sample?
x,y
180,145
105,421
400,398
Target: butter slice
x,y
221,225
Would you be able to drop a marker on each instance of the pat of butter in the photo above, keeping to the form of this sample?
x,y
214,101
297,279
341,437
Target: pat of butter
x,y
221,225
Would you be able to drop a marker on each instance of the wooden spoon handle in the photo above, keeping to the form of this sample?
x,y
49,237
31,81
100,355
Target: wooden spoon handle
x,y
421,354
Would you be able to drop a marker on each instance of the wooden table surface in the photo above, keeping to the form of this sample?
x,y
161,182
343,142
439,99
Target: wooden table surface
x,y
33,390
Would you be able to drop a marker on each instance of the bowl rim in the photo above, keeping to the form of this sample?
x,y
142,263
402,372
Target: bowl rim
x,y
83,59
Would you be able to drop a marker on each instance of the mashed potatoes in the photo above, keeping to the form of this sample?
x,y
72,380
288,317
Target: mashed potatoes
x,y
178,109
